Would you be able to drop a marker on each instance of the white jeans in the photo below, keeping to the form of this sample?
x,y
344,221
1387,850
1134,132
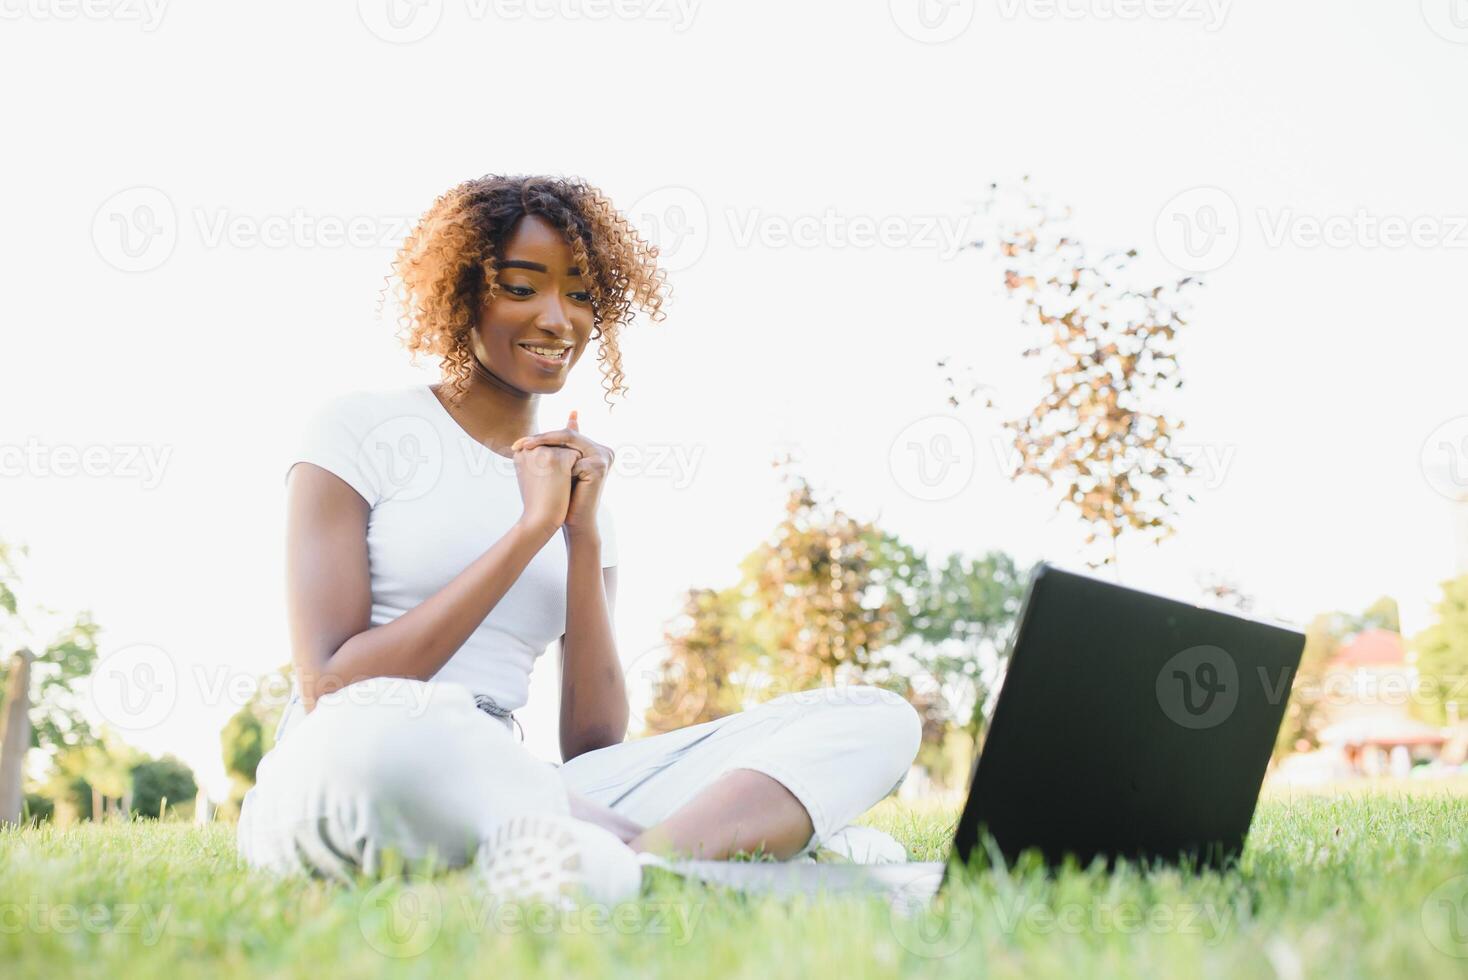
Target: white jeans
x,y
415,767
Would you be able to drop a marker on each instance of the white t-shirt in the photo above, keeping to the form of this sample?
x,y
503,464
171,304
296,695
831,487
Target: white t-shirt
x,y
439,500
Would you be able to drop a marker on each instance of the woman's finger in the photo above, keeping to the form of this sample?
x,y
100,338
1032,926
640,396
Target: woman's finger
x,y
559,437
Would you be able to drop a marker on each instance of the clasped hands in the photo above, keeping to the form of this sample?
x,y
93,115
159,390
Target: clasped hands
x,y
561,475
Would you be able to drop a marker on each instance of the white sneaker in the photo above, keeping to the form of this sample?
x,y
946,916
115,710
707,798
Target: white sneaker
x,y
862,845
556,859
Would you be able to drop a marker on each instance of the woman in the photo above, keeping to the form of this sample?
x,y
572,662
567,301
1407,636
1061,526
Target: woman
x,y
438,541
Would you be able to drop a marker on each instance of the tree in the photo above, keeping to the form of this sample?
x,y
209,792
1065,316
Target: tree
x,y
1304,713
157,780
828,599
819,602
1100,431
46,702
93,779
1442,657
964,615
250,731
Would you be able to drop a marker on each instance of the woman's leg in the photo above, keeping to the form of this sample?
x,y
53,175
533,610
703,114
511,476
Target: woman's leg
x,y
742,810
390,763
783,776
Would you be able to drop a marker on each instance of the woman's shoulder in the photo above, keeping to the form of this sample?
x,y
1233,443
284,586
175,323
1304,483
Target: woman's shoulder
x,y
374,406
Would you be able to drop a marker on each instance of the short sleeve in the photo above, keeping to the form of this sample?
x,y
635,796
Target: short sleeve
x,y
608,530
332,438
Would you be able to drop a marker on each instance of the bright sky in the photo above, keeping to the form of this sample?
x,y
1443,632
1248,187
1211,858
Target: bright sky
x,y
201,203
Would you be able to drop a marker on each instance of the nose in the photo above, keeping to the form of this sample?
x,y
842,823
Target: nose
x,y
552,319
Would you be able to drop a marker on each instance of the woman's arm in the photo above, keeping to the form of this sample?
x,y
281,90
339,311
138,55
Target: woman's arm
x,y
329,594
593,690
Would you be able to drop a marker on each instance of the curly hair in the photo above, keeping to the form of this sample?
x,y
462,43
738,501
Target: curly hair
x,y
445,268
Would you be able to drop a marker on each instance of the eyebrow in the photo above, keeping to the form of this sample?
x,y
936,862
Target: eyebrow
x,y
532,266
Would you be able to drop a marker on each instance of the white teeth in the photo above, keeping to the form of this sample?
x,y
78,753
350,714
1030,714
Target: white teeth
x,y
557,352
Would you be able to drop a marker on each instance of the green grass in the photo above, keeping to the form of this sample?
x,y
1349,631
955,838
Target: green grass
x,y
1332,887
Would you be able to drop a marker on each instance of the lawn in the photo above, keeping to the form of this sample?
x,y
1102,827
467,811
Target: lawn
x,y
1369,886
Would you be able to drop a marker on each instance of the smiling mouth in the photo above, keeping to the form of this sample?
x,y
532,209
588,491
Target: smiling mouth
x,y
549,356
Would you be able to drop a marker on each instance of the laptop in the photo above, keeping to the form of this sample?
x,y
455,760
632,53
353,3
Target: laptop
x,y
1129,727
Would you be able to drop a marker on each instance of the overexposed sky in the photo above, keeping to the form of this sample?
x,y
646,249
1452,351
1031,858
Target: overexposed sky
x,y
200,203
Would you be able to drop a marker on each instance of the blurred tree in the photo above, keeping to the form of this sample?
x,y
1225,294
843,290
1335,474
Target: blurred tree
x,y
90,780
156,780
818,603
250,731
1100,430
1305,712
828,599
47,700
1442,657
963,615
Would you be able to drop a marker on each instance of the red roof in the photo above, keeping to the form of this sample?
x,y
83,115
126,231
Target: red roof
x,y
1373,648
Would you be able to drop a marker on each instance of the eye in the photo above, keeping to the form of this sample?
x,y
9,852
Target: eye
x,y
581,296
517,290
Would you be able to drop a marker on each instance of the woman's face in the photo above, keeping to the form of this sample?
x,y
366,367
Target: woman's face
x,y
542,302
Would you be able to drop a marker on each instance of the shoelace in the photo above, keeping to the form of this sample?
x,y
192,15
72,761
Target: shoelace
x,y
491,707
